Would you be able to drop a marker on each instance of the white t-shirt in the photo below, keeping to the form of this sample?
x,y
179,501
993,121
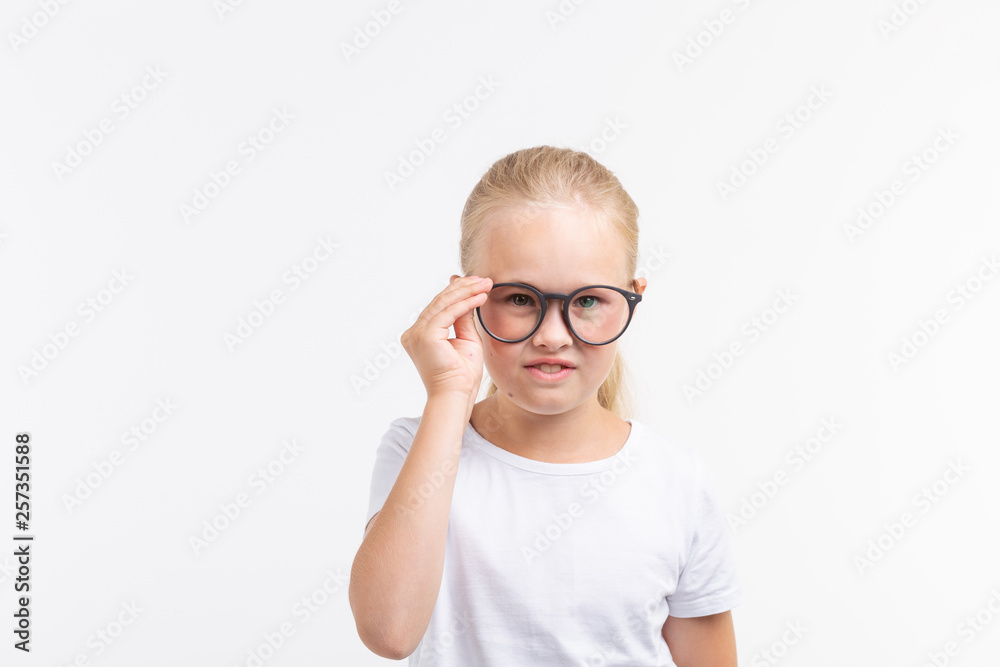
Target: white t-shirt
x,y
570,563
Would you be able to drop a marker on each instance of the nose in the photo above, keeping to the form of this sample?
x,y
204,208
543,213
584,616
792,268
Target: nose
x,y
553,332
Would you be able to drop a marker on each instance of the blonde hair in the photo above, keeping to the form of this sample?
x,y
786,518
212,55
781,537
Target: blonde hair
x,y
557,177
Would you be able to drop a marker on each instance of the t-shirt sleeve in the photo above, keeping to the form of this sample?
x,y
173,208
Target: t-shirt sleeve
x,y
708,582
389,459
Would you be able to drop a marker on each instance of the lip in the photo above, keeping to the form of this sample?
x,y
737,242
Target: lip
x,y
539,374
552,362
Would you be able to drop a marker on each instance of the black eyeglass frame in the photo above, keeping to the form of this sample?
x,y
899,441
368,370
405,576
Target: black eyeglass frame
x,y
632,298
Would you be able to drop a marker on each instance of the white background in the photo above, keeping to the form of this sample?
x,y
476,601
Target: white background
x,y
713,263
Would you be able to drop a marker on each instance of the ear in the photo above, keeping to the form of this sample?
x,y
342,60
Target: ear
x,y
639,285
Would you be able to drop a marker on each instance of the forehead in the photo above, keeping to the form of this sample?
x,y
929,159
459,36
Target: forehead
x,y
552,248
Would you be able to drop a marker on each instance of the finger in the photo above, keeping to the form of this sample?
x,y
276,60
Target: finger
x,y
447,306
465,325
459,313
438,303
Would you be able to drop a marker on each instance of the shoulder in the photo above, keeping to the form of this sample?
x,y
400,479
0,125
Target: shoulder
x,y
408,424
675,461
654,443
400,433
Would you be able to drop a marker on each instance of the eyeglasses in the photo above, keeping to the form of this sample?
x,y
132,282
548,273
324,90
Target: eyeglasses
x,y
595,314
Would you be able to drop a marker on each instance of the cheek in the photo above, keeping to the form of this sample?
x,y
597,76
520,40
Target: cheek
x,y
605,362
504,360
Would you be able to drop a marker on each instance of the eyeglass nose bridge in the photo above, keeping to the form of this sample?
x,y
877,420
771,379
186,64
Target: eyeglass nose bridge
x,y
563,310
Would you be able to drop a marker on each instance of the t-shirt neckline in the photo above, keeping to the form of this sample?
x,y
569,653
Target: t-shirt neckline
x,y
546,467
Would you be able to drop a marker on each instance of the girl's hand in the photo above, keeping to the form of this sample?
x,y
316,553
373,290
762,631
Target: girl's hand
x,y
449,365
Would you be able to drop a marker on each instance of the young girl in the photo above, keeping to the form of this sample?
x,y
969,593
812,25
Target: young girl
x,y
541,525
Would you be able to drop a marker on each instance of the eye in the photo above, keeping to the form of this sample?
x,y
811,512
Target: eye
x,y
521,299
592,300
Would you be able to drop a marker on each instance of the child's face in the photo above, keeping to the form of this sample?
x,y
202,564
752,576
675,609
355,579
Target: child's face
x,y
553,250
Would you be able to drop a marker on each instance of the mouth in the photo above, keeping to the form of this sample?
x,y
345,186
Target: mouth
x,y
550,372
549,368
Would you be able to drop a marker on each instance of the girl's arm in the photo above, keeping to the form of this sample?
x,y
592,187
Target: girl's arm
x,y
396,575
701,641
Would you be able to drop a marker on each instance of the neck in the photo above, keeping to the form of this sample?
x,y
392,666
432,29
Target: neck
x,y
586,432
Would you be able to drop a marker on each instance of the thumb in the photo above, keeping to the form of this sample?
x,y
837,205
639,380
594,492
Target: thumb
x,y
465,326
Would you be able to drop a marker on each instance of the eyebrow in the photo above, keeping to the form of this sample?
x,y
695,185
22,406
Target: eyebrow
x,y
516,280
